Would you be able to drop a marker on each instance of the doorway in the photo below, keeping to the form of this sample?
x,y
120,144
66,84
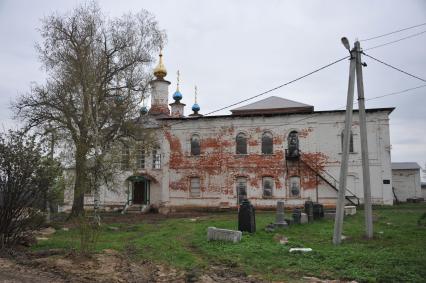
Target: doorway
x,y
141,192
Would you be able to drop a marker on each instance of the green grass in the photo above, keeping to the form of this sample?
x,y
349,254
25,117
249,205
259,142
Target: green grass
x,y
396,254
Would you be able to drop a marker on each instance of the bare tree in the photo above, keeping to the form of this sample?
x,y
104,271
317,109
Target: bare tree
x,y
97,77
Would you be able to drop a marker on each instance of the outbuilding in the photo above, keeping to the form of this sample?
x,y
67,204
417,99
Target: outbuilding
x,y
406,181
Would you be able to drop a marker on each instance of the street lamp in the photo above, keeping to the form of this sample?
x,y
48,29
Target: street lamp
x,y
345,43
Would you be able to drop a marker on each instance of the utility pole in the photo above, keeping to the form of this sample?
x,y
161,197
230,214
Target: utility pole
x,y
364,145
340,205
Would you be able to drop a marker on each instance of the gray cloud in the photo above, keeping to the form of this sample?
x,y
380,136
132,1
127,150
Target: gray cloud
x,y
236,49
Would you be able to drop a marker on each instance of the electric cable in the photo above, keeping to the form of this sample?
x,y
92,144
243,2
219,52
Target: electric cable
x,y
343,107
393,32
273,89
395,41
280,86
395,68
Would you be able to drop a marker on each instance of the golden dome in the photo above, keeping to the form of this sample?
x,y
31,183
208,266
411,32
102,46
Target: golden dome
x,y
160,71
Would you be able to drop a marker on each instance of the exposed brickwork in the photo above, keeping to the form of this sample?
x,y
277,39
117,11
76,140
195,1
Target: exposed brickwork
x,y
217,160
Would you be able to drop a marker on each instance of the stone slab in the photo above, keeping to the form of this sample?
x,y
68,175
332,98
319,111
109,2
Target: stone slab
x,y
216,234
350,210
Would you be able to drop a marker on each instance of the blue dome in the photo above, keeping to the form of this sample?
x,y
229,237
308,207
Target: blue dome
x,y
177,96
195,107
143,110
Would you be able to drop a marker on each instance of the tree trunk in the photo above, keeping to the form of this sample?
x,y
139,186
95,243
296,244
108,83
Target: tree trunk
x,y
80,186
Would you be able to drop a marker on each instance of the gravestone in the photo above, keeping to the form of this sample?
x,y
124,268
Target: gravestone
x,y
303,218
318,211
296,215
246,217
279,220
309,210
216,234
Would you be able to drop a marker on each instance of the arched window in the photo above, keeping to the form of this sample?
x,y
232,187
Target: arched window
x,y
195,145
268,185
351,141
241,189
293,144
295,186
241,144
267,144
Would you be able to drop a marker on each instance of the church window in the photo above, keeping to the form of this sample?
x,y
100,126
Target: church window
x,y
293,144
295,186
195,187
156,158
351,141
125,157
268,185
195,145
241,189
241,144
141,158
267,143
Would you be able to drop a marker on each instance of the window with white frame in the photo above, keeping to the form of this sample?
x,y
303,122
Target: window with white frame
x,y
141,158
125,157
195,187
156,158
268,186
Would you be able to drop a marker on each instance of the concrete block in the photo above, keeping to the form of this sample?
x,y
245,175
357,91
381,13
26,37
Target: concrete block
x,y
303,218
216,234
350,210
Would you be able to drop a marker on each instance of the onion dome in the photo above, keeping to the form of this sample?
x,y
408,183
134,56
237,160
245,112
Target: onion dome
x,y
177,96
143,110
160,71
195,107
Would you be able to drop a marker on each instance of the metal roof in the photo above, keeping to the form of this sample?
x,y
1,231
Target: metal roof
x,y
272,102
234,116
404,165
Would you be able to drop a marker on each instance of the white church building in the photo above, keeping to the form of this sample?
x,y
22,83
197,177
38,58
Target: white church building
x,y
273,149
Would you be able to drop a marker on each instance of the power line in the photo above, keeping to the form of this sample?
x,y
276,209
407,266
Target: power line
x,y
398,40
272,89
280,86
395,68
392,32
397,92
356,102
344,107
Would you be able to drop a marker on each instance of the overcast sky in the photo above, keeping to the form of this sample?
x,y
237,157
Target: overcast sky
x,y
236,49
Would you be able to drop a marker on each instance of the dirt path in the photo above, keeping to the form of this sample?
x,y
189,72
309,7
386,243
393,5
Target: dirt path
x,y
11,272
109,266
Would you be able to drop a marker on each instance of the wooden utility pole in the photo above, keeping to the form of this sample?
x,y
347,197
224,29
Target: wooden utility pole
x,y
340,206
364,145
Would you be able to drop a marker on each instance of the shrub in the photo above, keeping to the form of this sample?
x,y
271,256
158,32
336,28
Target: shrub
x,y
25,177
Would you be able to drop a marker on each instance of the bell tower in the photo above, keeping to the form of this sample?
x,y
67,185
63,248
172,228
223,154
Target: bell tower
x,y
160,90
